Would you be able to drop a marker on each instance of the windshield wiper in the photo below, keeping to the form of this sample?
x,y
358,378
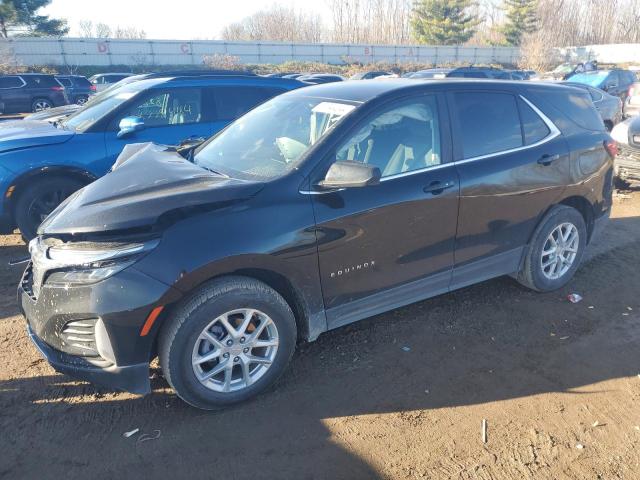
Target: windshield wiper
x,y
213,171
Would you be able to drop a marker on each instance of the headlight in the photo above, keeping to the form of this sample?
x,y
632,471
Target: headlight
x,y
81,263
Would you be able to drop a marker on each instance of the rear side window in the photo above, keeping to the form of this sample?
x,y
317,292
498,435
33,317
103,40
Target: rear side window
x,y
533,127
11,82
233,102
65,81
42,81
489,122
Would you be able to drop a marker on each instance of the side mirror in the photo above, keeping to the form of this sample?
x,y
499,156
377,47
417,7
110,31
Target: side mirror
x,y
346,174
129,125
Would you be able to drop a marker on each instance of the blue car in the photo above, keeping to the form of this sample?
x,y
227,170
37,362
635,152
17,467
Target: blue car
x,y
42,163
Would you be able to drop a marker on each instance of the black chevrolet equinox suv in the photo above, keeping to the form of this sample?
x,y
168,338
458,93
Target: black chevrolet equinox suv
x,y
321,207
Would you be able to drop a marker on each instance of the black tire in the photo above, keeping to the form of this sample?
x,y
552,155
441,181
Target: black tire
x,y
180,333
41,104
81,99
39,199
531,274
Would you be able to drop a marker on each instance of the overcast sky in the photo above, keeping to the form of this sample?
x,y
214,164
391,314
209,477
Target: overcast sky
x,y
181,19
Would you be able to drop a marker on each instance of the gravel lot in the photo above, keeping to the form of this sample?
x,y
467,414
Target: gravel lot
x,y
402,395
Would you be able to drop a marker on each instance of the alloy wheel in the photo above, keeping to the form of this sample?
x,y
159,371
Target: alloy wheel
x,y
41,105
235,350
560,250
45,203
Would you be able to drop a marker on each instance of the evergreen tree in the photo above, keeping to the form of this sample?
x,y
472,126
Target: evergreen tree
x,y
522,17
443,22
20,17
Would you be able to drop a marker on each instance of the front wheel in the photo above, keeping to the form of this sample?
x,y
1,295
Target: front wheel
x,y
555,251
229,341
39,199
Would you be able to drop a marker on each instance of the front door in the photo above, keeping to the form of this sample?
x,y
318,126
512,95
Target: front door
x,y
390,244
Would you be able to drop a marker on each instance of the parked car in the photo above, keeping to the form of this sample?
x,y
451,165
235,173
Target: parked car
x,y
462,72
103,80
627,163
318,78
82,147
616,82
608,106
369,75
632,105
30,92
78,88
313,211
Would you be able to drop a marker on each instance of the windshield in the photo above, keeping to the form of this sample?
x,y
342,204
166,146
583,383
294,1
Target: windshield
x,y
97,109
270,140
591,79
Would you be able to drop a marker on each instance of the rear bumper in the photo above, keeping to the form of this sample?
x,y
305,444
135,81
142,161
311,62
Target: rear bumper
x,y
132,378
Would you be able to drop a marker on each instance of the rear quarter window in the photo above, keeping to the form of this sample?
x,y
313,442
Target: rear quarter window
x,y
65,82
533,127
81,82
232,102
577,107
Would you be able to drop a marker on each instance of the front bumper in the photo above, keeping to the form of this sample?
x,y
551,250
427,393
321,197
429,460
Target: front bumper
x,y
103,345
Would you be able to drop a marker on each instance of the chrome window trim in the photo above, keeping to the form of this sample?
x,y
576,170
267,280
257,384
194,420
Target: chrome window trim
x,y
553,133
10,88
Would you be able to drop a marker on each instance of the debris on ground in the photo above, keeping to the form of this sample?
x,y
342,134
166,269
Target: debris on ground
x,y
145,436
484,430
406,349
130,433
574,298
564,338
579,446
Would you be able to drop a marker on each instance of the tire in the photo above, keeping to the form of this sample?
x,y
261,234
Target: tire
x,y
81,99
181,338
40,104
39,199
532,274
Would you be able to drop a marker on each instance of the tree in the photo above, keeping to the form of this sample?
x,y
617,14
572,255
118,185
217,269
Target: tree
x,y
522,17
443,22
19,17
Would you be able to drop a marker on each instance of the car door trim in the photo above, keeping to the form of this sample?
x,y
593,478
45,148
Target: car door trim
x,y
553,133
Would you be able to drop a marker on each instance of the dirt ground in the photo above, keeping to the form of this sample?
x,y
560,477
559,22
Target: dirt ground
x,y
402,395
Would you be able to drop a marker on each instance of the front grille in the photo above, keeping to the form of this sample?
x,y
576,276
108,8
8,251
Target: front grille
x,y
79,337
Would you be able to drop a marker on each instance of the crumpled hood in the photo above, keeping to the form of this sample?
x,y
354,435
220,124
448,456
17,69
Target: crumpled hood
x,y
152,182
24,133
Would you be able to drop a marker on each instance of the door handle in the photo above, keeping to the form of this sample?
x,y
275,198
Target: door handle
x,y
547,159
437,187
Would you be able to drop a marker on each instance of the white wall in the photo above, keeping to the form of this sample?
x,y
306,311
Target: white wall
x,y
80,51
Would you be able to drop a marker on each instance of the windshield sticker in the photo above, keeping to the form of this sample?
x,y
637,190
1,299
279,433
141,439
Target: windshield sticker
x,y
333,108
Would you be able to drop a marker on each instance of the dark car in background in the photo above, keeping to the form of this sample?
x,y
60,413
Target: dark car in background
x,y
78,88
608,106
463,72
30,92
324,206
318,78
369,75
84,146
616,82
103,80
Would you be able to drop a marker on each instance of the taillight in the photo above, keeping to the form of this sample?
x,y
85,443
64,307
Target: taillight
x,y
93,88
612,148
57,89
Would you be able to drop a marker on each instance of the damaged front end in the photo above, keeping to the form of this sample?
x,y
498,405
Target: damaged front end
x,y
627,162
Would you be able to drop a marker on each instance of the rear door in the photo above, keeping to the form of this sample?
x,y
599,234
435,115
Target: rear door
x,y
512,163
390,244
170,116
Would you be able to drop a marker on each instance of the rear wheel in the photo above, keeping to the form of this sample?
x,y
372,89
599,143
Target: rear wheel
x,y
82,99
39,199
228,342
555,251
40,104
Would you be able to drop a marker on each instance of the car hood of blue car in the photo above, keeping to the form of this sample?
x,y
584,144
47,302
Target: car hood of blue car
x,y
151,187
18,134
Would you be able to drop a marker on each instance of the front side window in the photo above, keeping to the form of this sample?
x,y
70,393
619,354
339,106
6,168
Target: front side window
x,y
175,107
401,139
489,122
270,140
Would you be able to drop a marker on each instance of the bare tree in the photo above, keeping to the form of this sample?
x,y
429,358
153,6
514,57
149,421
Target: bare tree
x,y
86,28
129,33
103,30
